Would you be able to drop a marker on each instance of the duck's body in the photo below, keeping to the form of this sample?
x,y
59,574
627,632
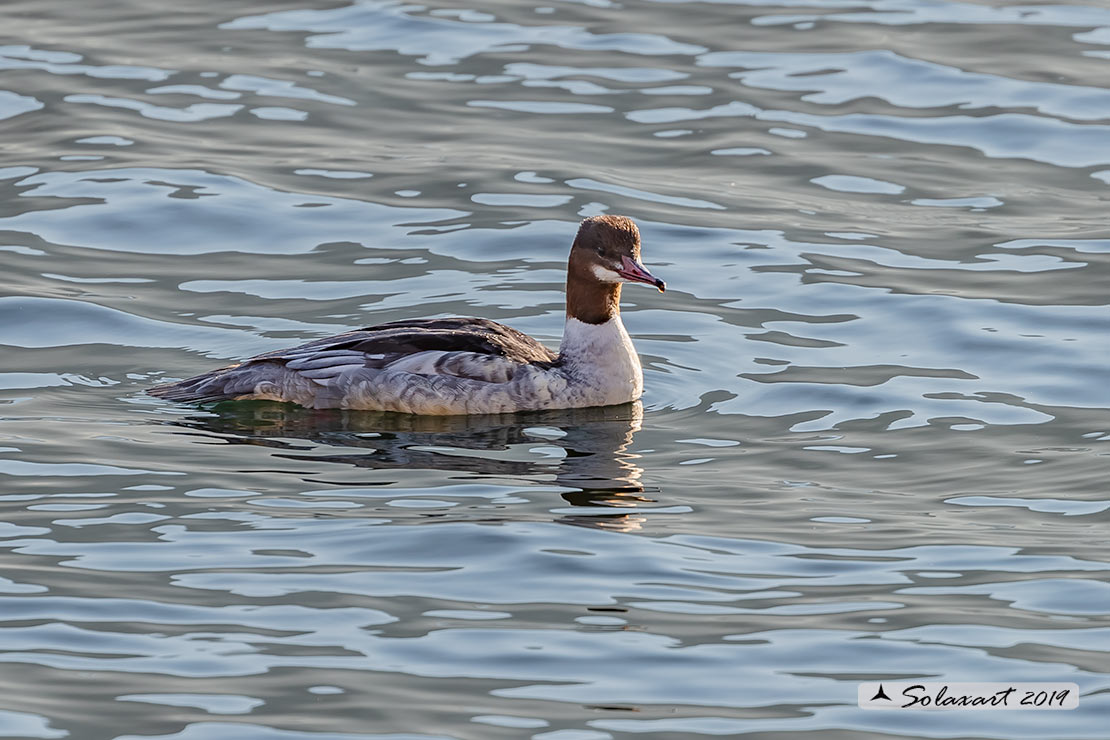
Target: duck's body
x,y
462,365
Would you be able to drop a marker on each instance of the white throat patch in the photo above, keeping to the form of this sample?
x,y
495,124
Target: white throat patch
x,y
605,275
602,360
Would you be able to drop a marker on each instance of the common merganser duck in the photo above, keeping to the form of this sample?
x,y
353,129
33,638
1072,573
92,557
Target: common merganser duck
x,y
463,365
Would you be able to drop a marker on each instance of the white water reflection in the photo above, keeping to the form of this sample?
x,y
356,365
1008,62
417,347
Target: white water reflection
x,y
168,211
376,26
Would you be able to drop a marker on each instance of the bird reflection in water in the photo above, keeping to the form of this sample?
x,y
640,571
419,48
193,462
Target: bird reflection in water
x,y
601,479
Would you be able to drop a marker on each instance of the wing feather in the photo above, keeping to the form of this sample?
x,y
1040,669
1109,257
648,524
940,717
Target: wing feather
x,y
478,349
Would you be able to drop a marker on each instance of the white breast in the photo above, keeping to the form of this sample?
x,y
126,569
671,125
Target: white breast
x,y
600,362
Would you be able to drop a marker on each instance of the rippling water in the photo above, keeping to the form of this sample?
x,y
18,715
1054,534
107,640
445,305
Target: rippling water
x,y
873,443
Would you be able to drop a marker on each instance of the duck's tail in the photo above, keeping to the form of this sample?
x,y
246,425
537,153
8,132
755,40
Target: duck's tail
x,y
252,380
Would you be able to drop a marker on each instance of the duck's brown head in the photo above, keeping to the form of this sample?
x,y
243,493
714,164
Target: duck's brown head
x,y
605,254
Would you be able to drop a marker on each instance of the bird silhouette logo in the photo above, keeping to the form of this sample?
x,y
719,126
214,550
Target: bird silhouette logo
x,y
880,694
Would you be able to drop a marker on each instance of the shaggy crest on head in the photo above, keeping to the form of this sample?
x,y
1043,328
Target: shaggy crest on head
x,y
463,365
610,233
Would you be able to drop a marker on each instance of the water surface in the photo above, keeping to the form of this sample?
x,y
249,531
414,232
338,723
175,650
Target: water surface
x,y
873,444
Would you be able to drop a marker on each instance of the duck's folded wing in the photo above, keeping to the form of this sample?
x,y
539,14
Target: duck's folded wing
x,y
475,349
408,337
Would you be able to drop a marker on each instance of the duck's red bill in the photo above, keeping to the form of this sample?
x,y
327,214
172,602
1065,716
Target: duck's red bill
x,y
634,272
